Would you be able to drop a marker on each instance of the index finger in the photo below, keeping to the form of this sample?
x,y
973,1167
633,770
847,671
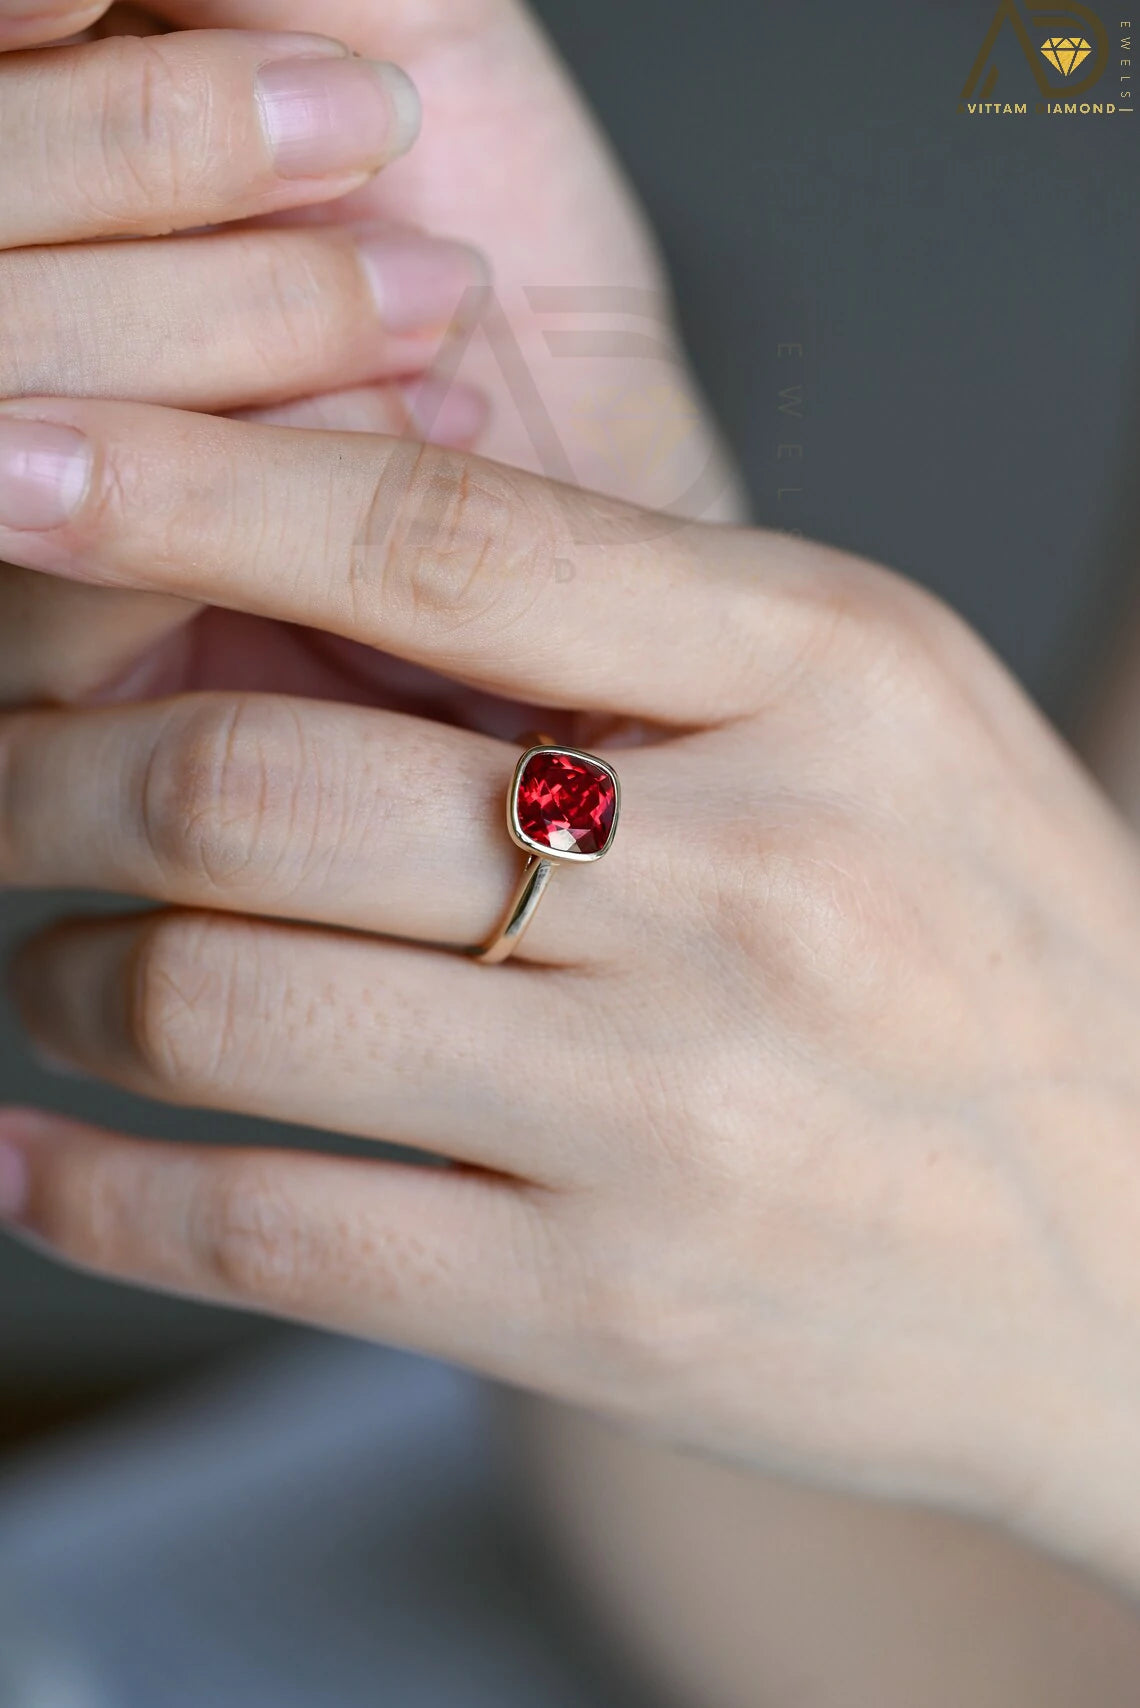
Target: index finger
x,y
495,577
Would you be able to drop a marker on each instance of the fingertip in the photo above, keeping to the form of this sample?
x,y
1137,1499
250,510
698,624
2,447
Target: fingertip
x,y
20,1130
438,412
24,25
18,1120
45,472
404,104
446,413
324,117
419,283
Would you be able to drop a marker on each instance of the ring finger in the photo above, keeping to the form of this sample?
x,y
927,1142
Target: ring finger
x,y
339,815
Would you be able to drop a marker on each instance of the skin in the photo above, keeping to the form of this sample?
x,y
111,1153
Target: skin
x,y
842,1181
485,74
507,134
730,1587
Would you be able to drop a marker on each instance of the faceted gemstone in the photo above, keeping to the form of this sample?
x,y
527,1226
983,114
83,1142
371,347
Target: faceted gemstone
x,y
566,803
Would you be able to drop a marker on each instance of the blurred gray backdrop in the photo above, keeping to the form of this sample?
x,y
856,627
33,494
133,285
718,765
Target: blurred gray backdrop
x,y
964,292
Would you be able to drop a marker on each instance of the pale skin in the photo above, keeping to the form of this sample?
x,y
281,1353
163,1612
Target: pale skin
x,y
264,319
844,1180
836,1025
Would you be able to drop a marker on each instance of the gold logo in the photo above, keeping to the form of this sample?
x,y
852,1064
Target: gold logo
x,y
638,434
1066,52
1034,30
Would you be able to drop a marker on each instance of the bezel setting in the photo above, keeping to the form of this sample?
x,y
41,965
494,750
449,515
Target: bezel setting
x,y
527,843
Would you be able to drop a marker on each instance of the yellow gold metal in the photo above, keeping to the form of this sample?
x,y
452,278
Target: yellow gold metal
x,y
537,874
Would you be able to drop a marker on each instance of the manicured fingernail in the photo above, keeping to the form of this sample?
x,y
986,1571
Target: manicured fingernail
x,y
14,1181
419,283
328,116
444,413
44,471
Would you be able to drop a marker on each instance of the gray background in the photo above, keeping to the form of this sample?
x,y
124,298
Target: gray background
x,y
965,294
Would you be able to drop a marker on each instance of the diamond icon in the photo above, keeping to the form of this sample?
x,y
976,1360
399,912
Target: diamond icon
x,y
639,433
1066,52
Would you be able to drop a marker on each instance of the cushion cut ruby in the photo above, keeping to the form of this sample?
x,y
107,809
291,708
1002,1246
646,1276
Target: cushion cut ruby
x,y
566,802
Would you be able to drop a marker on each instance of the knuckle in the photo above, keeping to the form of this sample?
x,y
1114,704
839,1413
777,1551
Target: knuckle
x,y
639,1331
300,317
795,893
811,915
151,144
189,985
253,1237
450,548
224,799
684,1106
120,491
887,635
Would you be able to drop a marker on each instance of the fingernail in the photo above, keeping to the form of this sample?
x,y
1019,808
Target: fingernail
x,y
44,471
419,282
445,413
327,116
14,1181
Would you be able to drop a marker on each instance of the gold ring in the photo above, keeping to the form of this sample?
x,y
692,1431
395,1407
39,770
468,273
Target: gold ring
x,y
562,808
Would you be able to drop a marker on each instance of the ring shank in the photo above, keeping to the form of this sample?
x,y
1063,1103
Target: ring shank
x,y
536,874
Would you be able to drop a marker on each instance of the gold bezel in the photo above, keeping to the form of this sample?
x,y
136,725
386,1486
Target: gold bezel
x,y
518,835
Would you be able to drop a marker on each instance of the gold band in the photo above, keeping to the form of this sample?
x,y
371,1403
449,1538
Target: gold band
x,y
537,873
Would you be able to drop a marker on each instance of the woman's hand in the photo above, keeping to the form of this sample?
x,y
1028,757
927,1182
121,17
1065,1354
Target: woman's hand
x,y
574,352
138,136
803,1128
581,359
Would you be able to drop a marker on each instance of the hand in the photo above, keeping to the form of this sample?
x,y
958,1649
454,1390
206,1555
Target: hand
x,y
802,1128
511,161
253,317
129,137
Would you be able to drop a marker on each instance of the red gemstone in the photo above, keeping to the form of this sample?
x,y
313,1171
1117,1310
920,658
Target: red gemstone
x,y
566,803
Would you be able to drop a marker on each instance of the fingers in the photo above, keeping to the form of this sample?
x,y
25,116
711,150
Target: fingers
x,y
430,408
255,803
230,320
62,642
143,135
347,1033
500,579
450,1262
